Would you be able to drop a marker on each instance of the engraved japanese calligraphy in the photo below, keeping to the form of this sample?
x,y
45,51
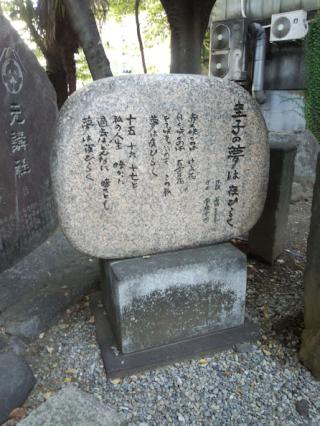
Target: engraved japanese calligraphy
x,y
236,152
27,119
173,161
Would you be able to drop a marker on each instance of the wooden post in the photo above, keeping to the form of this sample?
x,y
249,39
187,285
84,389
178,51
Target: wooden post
x,y
310,346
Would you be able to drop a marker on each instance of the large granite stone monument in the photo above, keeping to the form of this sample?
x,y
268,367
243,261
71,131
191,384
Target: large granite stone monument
x,y
144,165
27,120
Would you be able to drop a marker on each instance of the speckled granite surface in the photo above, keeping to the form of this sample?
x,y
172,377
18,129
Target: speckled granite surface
x,y
144,164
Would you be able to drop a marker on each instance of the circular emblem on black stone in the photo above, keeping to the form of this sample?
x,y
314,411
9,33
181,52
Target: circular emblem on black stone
x,y
12,76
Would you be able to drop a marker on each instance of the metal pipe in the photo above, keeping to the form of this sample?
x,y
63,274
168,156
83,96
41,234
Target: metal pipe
x,y
243,9
259,9
259,62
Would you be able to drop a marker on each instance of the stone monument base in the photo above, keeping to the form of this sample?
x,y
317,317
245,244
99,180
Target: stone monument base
x,y
118,364
156,300
171,305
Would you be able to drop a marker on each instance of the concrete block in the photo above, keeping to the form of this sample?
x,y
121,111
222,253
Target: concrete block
x,y
161,299
268,237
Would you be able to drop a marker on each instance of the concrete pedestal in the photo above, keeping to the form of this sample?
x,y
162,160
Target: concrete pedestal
x,y
158,300
169,306
268,237
310,347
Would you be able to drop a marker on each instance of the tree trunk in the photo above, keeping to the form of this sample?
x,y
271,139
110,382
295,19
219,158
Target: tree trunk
x,y
188,20
61,73
58,77
70,68
310,345
136,12
84,25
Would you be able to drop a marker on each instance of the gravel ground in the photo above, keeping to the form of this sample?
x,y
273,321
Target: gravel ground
x,y
258,384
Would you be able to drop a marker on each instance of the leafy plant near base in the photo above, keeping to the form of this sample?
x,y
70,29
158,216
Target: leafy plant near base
x,y
312,108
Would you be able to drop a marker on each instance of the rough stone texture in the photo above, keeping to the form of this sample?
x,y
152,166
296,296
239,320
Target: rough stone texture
x,y
305,165
27,120
268,237
72,407
36,291
310,347
16,381
147,187
163,298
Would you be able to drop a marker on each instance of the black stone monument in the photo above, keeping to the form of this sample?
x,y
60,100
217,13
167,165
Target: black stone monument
x,y
28,113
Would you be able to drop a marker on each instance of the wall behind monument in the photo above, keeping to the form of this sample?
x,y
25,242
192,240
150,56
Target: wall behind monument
x,y
259,9
284,82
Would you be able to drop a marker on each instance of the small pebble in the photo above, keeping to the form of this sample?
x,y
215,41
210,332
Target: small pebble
x,y
302,406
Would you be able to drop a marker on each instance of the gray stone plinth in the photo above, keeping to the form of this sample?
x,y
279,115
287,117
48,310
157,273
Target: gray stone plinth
x,y
268,237
148,164
163,298
72,407
310,347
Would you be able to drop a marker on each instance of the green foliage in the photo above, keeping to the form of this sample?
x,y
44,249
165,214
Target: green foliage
x,y
32,12
39,19
312,109
157,23
156,28
21,10
24,12
83,73
119,8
